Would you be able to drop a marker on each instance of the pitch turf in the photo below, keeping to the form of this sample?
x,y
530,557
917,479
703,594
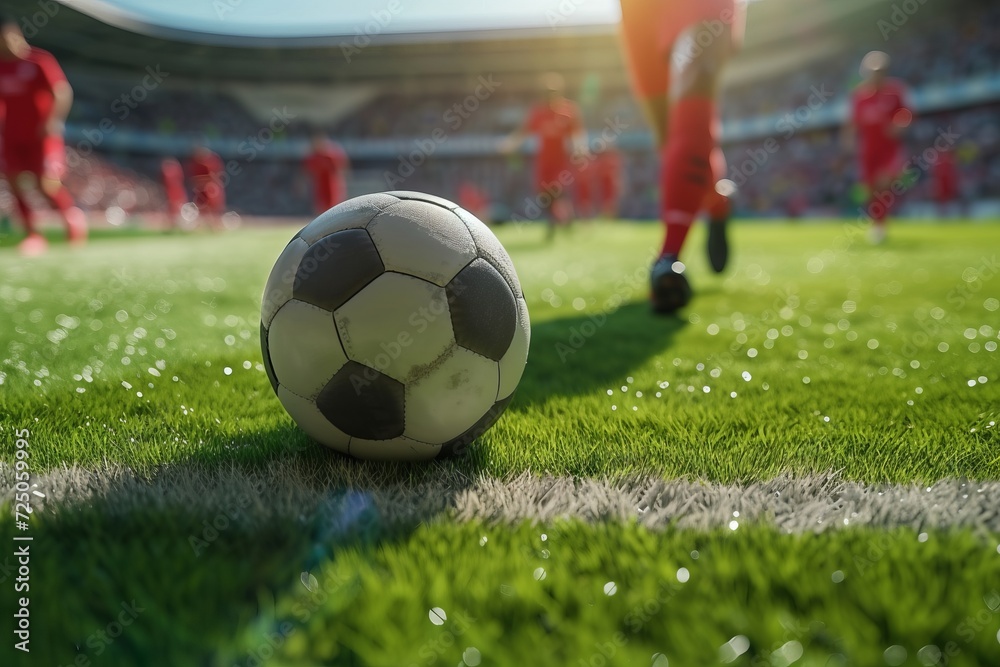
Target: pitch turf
x,y
815,354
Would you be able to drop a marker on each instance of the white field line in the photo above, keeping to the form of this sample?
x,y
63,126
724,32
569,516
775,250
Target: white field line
x,y
297,491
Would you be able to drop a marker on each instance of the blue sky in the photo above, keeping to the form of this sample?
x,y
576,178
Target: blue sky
x,y
319,17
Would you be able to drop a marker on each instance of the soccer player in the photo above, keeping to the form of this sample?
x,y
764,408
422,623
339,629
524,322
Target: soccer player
x,y
173,183
879,114
36,99
558,127
945,181
206,172
608,165
676,51
328,165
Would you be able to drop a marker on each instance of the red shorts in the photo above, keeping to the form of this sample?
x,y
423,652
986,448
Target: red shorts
x,y
651,27
210,199
881,166
551,174
46,158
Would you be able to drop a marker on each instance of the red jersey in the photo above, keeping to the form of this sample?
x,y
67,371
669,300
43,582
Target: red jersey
x,y
206,169
554,124
27,94
609,167
875,114
328,166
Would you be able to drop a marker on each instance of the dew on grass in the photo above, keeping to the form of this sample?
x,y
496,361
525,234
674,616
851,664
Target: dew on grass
x,y
138,394
732,394
539,573
638,394
635,408
922,537
706,389
734,648
543,537
769,344
483,540
153,372
733,525
712,329
611,392
974,347
610,588
695,554
126,361
765,386
787,330
614,407
700,367
658,394
660,660
579,303
991,346
176,379
437,616
121,315
715,372
872,344
837,576
806,380
471,656
929,655
787,654
630,379
971,383
752,352
826,419
982,379
970,333
664,384
910,402
746,376
803,354
247,365
624,388
683,575
230,340
80,390
227,370
849,306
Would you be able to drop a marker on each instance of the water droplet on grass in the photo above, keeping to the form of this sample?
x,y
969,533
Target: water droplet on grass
x,y
683,575
437,616
837,577
471,656
227,370
894,655
610,588
539,573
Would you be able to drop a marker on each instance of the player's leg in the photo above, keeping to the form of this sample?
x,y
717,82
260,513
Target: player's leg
x,y
648,62
50,170
34,243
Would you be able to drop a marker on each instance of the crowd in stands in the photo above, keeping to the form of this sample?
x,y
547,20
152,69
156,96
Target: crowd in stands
x,y
810,172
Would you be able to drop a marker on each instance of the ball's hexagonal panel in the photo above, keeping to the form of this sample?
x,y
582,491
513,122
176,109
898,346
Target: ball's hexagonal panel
x,y
398,325
336,267
483,312
282,279
490,248
363,403
311,420
513,361
456,446
266,357
397,449
351,214
451,399
423,196
422,240
304,349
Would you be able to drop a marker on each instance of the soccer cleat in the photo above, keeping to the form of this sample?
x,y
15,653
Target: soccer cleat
x,y
33,245
718,245
670,289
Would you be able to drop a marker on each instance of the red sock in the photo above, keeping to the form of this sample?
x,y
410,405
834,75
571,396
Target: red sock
x,y
686,167
27,215
62,200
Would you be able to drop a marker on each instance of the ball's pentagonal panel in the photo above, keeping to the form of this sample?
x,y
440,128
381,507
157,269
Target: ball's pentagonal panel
x,y
363,403
268,368
429,242
513,361
397,449
483,312
423,196
351,214
305,351
398,325
457,446
336,267
312,421
490,248
452,398
282,279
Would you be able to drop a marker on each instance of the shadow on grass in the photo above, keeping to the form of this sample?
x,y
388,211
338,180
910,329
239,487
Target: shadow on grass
x,y
590,353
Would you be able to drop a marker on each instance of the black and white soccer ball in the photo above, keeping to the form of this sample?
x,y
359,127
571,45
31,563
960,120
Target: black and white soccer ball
x,y
393,326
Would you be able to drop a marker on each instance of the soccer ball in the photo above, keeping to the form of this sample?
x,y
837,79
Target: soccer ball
x,y
393,326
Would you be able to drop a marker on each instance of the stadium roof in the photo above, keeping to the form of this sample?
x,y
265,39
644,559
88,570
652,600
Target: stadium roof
x,y
99,35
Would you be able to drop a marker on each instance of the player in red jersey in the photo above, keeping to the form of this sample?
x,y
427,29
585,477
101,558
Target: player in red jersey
x,y
879,114
584,177
206,172
945,181
608,167
36,98
676,51
328,165
173,183
557,125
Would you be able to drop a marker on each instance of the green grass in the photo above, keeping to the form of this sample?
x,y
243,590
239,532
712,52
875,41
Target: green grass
x,y
192,305
801,301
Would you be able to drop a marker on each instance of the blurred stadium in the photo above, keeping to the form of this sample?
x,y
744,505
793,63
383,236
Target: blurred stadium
x,y
145,91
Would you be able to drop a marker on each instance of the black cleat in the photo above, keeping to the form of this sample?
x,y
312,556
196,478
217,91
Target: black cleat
x,y
670,289
718,245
